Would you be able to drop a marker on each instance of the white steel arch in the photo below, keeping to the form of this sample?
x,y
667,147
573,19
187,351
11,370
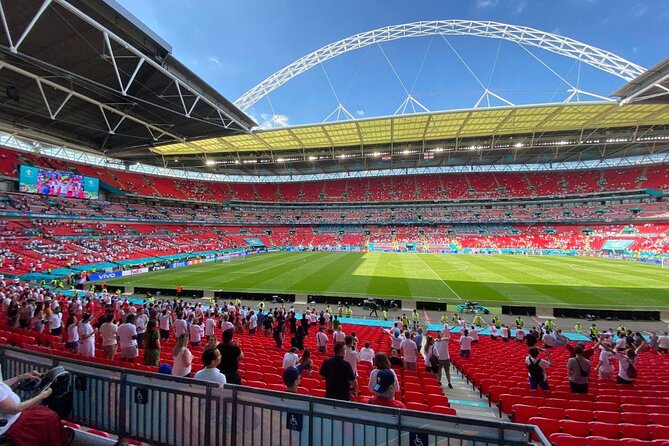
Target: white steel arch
x,y
596,57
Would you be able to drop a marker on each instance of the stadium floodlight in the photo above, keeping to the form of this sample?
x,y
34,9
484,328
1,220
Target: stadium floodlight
x,y
312,158
210,162
518,145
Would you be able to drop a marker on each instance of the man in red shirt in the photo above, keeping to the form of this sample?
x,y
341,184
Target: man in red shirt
x,y
384,390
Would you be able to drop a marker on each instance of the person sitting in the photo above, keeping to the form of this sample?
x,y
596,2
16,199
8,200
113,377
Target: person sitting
x,y
211,358
384,390
28,423
292,378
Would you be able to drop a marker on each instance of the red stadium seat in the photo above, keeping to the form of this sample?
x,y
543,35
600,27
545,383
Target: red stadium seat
x,y
561,439
575,428
606,430
522,413
579,415
658,432
638,431
608,417
547,425
444,410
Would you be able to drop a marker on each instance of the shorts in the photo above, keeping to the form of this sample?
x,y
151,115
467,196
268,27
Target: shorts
x,y
110,350
505,339
619,380
445,363
578,388
410,365
74,344
164,334
605,375
432,368
129,352
534,383
321,349
465,353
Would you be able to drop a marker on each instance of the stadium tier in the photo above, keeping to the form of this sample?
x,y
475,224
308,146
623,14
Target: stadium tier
x,y
376,189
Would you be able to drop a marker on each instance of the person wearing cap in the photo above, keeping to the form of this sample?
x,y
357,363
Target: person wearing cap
x,y
384,390
292,377
86,336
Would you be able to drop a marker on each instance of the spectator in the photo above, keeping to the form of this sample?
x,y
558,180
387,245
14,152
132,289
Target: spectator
x,y
367,353
152,344
578,369
465,345
86,337
627,372
72,330
298,339
549,340
431,356
384,390
182,356
140,322
253,322
28,423
340,382
55,321
537,369
321,340
381,362
211,358
520,335
127,338
231,354
409,351
663,344
505,333
164,322
292,379
605,364
196,331
179,326
290,358
339,335
441,346
351,356
306,363
108,334
395,359
278,333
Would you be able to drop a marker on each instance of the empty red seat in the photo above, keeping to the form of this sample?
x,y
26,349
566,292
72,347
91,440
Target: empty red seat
x,y
638,431
575,428
417,406
556,413
547,425
636,418
522,413
602,441
579,415
443,410
659,418
506,402
658,432
608,417
436,400
605,406
561,439
414,397
607,430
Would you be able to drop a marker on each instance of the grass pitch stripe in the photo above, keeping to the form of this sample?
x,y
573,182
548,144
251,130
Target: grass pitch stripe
x,y
439,277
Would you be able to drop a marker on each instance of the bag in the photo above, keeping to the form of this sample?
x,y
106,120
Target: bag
x,y
60,400
631,371
536,372
584,373
434,361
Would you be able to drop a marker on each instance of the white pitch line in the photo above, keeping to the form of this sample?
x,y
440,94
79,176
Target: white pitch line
x,y
439,277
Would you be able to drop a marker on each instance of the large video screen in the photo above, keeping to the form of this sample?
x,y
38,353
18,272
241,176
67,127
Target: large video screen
x,y
35,180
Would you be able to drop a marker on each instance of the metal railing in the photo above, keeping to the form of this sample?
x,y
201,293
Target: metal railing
x,y
166,410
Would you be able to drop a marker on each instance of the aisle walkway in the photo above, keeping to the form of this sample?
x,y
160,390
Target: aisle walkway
x,y
466,401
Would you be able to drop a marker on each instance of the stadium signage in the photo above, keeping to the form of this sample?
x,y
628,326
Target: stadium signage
x,y
132,272
105,276
178,264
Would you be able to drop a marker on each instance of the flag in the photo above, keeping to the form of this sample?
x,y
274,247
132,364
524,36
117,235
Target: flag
x,y
428,156
386,157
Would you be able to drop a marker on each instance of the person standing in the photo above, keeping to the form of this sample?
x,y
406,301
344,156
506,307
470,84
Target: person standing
x,y
321,340
466,345
367,353
578,370
536,368
127,338
441,346
86,337
183,358
231,354
152,344
164,321
340,382
351,356
108,334
140,322
211,358
409,351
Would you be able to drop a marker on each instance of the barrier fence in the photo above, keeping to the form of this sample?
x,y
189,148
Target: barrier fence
x,y
166,410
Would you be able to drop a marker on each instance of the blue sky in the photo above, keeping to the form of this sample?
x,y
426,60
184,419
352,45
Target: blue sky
x,y
234,45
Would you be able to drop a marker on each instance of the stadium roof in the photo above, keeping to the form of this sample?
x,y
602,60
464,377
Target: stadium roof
x,y
650,87
90,75
439,126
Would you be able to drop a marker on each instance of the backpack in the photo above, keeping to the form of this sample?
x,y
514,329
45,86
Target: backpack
x,y
535,370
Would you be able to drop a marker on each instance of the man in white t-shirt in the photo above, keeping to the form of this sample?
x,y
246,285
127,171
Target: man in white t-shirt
x,y
179,326
140,322
441,345
367,353
351,356
164,323
339,335
465,345
322,340
108,334
196,331
211,358
55,322
663,343
226,325
409,351
549,340
520,335
290,358
253,322
127,338
209,325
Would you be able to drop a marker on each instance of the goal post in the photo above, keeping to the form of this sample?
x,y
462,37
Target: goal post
x,y
664,261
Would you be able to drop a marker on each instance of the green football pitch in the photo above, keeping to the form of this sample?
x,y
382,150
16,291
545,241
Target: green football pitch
x,y
490,280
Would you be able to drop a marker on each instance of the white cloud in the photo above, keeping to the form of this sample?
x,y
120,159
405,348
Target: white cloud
x,y
360,112
486,3
268,121
520,6
639,10
214,60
